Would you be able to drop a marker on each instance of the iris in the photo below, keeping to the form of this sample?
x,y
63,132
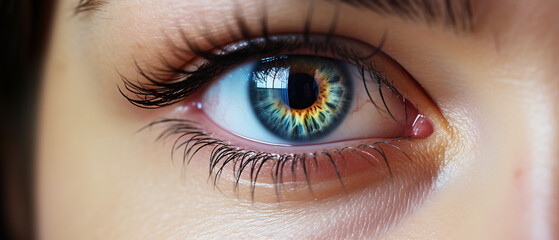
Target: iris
x,y
300,97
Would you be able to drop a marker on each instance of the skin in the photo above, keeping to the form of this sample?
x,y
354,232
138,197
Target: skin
x,y
490,166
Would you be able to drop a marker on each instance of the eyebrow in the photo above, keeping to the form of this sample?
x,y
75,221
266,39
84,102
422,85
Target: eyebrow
x,y
456,14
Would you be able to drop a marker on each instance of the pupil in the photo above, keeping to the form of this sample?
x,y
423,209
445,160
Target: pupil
x,y
302,91
292,103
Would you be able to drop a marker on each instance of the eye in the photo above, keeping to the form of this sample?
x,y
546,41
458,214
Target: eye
x,y
304,99
284,116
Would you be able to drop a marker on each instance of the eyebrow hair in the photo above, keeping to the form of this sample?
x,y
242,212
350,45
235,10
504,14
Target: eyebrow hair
x,y
457,14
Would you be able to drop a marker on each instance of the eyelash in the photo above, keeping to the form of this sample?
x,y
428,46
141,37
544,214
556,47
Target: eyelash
x,y
160,91
192,139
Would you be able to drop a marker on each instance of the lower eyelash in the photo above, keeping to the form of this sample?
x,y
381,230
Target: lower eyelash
x,y
191,138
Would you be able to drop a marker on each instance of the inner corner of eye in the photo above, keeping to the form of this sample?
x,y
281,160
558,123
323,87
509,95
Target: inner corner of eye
x,y
304,99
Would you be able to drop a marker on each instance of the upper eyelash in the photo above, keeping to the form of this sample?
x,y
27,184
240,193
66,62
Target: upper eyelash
x,y
158,91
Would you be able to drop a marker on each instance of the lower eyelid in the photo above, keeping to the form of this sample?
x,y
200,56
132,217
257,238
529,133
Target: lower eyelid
x,y
339,167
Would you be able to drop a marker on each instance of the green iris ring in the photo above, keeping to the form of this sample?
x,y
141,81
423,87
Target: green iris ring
x,y
268,84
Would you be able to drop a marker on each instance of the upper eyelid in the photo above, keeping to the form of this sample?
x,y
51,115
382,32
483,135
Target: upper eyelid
x,y
290,41
157,92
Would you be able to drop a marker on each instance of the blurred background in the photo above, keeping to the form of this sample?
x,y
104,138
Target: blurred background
x,y
23,36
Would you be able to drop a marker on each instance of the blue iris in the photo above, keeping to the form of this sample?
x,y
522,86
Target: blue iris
x,y
299,97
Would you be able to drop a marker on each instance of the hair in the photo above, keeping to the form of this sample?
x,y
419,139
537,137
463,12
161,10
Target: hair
x,y
25,28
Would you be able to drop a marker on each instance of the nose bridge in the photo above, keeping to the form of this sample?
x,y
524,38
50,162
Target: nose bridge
x,y
543,182
529,39
545,178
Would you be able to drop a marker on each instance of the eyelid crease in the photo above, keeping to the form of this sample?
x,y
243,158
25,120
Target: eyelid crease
x,y
158,92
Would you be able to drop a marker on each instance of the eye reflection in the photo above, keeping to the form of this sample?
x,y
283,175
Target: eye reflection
x,y
300,97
